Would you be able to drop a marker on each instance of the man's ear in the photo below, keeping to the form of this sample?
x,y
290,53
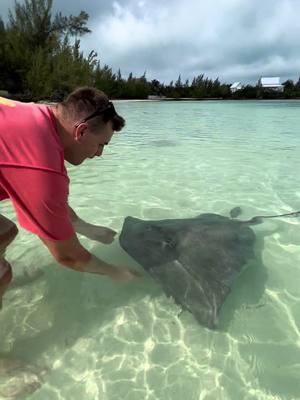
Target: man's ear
x,y
80,131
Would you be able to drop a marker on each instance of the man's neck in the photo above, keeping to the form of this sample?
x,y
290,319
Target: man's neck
x,y
63,128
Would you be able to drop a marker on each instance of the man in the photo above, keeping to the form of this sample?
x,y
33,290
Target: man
x,y
34,142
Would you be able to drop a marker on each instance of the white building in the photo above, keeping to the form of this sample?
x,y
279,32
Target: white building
x,y
236,86
155,97
271,83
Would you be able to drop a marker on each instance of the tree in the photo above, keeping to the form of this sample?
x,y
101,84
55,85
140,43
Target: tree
x,y
34,42
289,89
156,88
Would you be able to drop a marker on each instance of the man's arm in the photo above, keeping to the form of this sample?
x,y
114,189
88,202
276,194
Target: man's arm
x,y
93,232
70,253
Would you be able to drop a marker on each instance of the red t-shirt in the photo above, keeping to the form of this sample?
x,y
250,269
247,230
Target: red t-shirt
x,y
32,171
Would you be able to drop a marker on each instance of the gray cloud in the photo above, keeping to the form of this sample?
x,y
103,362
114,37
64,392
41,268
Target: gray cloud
x,y
229,39
97,9
232,39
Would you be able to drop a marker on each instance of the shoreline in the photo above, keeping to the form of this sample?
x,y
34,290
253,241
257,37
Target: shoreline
x,y
196,99
169,99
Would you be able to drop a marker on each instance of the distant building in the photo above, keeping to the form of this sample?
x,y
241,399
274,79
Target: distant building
x,y
155,97
271,83
235,87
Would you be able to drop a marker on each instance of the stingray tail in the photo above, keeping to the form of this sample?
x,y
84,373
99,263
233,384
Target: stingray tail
x,y
259,219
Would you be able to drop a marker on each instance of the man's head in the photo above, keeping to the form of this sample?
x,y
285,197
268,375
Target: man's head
x,y
90,120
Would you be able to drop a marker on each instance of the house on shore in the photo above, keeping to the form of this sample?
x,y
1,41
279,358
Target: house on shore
x,y
156,97
270,84
235,87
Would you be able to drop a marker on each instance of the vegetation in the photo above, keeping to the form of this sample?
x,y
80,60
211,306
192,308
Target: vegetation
x,y
40,58
37,59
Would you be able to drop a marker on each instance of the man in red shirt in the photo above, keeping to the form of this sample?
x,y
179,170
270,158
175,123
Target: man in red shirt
x,y
34,142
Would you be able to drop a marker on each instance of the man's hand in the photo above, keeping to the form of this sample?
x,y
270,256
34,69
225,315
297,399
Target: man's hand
x,y
72,254
93,232
123,274
98,233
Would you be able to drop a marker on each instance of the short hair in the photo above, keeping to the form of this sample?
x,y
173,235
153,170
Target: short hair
x,y
84,101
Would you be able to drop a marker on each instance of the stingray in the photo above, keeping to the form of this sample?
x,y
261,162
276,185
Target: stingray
x,y
163,143
195,260
18,379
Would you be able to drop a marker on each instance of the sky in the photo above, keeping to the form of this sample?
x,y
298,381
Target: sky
x,y
234,40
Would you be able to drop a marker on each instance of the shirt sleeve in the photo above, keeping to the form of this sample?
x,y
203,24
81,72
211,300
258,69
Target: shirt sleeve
x,y
40,199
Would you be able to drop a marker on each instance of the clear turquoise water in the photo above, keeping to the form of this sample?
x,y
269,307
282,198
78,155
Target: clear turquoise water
x,y
94,339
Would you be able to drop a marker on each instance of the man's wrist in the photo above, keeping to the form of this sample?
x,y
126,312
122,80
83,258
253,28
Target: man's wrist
x,y
97,266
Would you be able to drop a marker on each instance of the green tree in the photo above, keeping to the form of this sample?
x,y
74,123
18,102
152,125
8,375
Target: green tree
x,y
289,89
35,43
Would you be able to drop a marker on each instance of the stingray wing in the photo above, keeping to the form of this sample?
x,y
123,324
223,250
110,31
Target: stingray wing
x,y
202,298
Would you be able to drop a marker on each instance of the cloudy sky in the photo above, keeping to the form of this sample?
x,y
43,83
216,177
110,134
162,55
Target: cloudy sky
x,y
230,39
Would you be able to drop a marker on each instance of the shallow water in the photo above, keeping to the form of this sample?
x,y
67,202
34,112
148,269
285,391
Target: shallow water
x,y
94,339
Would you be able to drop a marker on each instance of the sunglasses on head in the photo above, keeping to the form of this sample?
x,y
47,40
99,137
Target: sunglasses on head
x,y
107,113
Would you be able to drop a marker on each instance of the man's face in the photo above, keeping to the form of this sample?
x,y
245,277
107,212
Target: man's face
x,y
87,144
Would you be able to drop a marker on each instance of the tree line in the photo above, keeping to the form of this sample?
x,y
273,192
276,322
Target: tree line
x,y
40,58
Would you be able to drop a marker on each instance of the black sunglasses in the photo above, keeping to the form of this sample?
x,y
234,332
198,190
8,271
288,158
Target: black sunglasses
x,y
107,113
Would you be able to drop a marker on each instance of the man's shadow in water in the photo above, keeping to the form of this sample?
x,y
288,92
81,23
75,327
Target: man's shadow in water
x,y
76,303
